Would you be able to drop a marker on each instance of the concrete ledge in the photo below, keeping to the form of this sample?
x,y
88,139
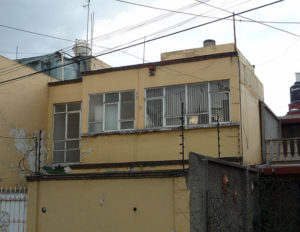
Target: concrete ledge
x,y
129,164
163,129
111,175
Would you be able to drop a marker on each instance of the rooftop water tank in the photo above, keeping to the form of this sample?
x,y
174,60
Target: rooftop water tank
x,y
209,43
81,48
295,90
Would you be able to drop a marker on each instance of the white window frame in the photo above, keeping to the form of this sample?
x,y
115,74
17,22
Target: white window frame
x,y
66,139
186,103
119,111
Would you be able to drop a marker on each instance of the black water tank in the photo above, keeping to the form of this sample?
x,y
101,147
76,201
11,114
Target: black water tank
x,y
295,90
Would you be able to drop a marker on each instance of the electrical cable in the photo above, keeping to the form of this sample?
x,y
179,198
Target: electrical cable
x,y
8,137
35,33
205,16
140,43
276,28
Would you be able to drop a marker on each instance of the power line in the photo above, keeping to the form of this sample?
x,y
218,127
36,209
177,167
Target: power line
x,y
140,43
206,16
35,33
158,8
8,137
276,28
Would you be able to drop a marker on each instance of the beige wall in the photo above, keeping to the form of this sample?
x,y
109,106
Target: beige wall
x,y
23,112
251,93
158,145
162,205
98,64
198,52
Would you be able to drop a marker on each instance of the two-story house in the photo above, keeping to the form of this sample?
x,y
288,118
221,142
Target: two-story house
x,y
105,151
117,132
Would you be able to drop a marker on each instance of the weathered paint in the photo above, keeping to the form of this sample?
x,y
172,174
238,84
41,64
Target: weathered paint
x,y
244,86
251,90
162,204
23,112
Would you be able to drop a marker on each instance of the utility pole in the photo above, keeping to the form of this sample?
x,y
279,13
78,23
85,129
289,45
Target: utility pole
x,y
17,52
234,31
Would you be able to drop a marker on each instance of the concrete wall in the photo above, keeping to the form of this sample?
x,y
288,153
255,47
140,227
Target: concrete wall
x,y
251,92
108,205
23,113
213,208
159,145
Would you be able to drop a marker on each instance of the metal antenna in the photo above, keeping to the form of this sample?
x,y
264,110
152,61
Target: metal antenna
x,y
182,134
87,26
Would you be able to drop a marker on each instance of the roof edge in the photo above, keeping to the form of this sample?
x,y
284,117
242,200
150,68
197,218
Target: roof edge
x,y
162,63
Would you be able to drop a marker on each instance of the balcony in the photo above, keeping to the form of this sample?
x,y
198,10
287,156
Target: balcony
x,y
283,151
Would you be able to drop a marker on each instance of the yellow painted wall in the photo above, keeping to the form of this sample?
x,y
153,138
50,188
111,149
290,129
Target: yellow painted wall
x,y
164,145
152,146
176,74
251,93
162,205
159,145
198,51
23,112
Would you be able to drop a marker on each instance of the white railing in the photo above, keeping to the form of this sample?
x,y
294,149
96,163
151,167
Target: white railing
x,y
283,150
13,204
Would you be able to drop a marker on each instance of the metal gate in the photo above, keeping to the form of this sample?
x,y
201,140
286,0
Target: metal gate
x,y
280,203
13,204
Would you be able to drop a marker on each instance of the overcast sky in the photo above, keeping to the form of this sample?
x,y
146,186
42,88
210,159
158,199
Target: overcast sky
x,y
274,53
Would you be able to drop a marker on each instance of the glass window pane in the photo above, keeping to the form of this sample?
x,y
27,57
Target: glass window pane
x,y
127,105
127,96
73,125
73,156
154,113
154,92
95,127
197,98
58,157
72,144
173,121
74,106
127,125
219,86
59,145
111,117
174,96
219,107
96,108
198,119
59,127
60,108
111,97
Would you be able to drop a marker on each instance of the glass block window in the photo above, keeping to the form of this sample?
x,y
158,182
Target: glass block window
x,y
66,133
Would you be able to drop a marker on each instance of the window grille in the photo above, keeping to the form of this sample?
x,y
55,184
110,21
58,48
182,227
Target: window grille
x,y
203,103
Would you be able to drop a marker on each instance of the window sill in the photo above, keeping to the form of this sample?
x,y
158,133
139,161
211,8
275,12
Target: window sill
x,y
162,129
